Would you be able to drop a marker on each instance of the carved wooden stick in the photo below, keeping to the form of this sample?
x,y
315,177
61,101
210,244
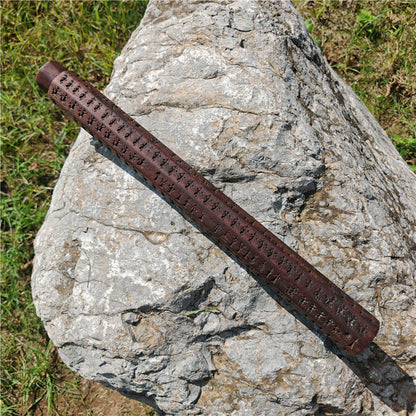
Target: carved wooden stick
x,y
337,315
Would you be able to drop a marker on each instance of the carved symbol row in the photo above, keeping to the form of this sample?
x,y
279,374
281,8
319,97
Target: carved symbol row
x,y
227,223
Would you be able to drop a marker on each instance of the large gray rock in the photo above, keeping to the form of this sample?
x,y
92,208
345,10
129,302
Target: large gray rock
x,y
240,91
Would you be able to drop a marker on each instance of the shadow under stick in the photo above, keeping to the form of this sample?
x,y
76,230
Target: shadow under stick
x,y
337,315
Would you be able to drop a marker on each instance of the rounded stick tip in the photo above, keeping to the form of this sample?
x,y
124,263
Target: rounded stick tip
x,y
48,72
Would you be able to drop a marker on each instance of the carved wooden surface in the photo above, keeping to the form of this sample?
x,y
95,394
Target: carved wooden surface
x,y
336,314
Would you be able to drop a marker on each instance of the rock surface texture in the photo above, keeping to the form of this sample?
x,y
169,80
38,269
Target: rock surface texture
x,y
136,298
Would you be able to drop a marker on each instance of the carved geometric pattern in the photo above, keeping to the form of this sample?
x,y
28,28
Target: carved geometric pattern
x,y
336,314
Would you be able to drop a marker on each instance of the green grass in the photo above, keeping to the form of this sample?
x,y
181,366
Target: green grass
x,y
369,43
85,36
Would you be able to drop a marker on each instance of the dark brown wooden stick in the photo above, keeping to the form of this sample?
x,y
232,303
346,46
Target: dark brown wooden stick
x,y
336,314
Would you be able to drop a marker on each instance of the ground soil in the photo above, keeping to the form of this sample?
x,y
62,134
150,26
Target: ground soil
x,y
96,400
